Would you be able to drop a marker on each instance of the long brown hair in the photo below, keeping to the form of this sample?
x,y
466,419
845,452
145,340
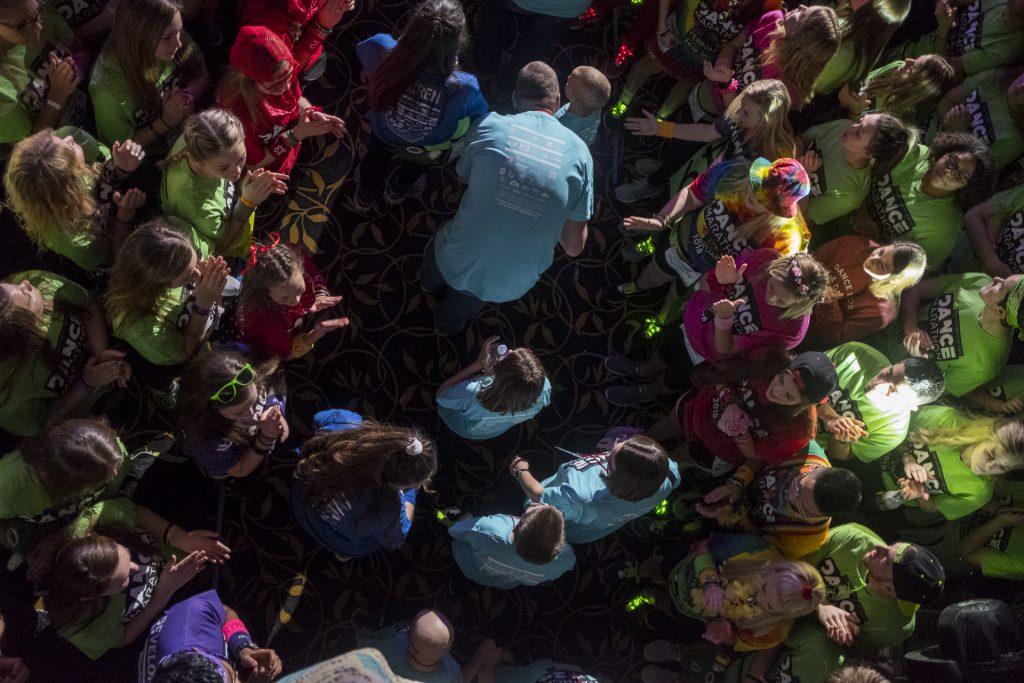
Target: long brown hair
x,y
203,376
152,257
23,340
868,30
773,138
430,44
374,457
772,362
75,572
74,458
801,54
908,100
518,381
641,466
139,27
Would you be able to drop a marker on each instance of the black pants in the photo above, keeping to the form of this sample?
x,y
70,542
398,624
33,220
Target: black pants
x,y
380,166
538,35
678,364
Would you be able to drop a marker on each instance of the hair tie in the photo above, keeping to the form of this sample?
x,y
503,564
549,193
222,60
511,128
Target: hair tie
x,y
808,591
256,250
415,447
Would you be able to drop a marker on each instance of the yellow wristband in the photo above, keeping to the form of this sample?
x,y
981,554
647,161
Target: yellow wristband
x,y
666,129
247,203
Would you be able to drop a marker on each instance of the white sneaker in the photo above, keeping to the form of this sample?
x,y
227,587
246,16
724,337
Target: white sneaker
x,y
635,191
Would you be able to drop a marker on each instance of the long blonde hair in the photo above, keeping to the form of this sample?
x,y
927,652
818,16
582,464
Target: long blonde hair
x,y
50,189
908,263
235,86
973,429
149,261
801,588
773,139
800,55
139,26
908,100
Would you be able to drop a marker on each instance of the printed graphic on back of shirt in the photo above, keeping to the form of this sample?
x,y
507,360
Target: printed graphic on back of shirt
x,y
141,584
768,502
980,119
720,235
711,30
78,12
844,405
70,349
1010,243
837,584
417,111
533,162
888,208
943,327
747,317
965,34
817,178
892,464
747,65
586,461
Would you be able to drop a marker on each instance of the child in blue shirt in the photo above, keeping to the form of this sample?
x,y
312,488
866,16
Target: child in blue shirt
x,y
588,92
503,551
599,493
355,487
419,650
500,389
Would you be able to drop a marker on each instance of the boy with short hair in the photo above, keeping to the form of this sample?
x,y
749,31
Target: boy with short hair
x,y
587,91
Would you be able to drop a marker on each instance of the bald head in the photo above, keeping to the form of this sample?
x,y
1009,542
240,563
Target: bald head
x,y
537,87
431,637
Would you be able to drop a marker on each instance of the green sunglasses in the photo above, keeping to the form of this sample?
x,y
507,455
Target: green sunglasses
x,y
228,392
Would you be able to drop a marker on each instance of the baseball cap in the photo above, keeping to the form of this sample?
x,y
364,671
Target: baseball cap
x,y
917,575
784,180
817,375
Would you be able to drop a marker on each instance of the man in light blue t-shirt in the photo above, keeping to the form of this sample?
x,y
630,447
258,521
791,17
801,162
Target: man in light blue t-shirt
x,y
503,551
531,187
600,493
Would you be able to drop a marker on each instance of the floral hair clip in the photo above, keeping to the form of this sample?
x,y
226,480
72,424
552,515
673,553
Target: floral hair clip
x,y
796,277
256,250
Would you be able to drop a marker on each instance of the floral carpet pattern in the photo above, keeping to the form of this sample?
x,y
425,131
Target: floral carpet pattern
x,y
387,365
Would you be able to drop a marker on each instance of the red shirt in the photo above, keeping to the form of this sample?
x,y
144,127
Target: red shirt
x,y
858,312
292,21
269,329
775,438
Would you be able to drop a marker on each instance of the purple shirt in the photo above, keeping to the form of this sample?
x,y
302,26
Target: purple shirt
x,y
193,624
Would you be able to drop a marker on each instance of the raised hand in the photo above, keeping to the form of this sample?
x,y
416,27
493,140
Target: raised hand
x,y
176,574
203,540
128,203
717,74
324,301
639,223
324,327
127,155
847,429
213,275
647,125
726,271
726,308
917,343
810,160
63,78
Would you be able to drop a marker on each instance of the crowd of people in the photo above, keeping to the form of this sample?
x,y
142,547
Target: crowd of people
x,y
840,248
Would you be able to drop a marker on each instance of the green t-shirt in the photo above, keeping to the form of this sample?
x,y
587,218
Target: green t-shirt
x,y
991,119
160,338
841,564
836,188
1009,206
856,365
808,655
106,631
118,114
982,39
1003,554
29,511
24,84
837,72
205,204
25,403
967,354
955,490
904,212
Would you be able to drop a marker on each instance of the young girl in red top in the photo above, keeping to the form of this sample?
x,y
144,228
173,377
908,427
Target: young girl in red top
x,y
262,89
280,289
761,409
301,24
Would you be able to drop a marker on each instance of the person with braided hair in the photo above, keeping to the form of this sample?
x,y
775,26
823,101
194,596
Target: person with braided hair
x,y
356,482
281,292
201,179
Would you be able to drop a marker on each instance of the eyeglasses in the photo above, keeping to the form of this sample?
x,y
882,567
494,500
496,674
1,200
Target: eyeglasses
x,y
22,25
954,169
228,392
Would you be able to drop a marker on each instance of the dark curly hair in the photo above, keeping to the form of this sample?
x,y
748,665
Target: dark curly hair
x,y
981,183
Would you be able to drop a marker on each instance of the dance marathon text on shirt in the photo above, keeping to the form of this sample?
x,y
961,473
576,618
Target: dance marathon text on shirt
x,y
533,161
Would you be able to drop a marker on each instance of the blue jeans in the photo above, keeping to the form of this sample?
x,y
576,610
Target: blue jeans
x,y
456,308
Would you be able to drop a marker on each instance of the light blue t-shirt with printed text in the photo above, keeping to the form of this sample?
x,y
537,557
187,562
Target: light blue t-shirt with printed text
x,y
483,549
584,126
528,174
393,644
590,510
461,411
